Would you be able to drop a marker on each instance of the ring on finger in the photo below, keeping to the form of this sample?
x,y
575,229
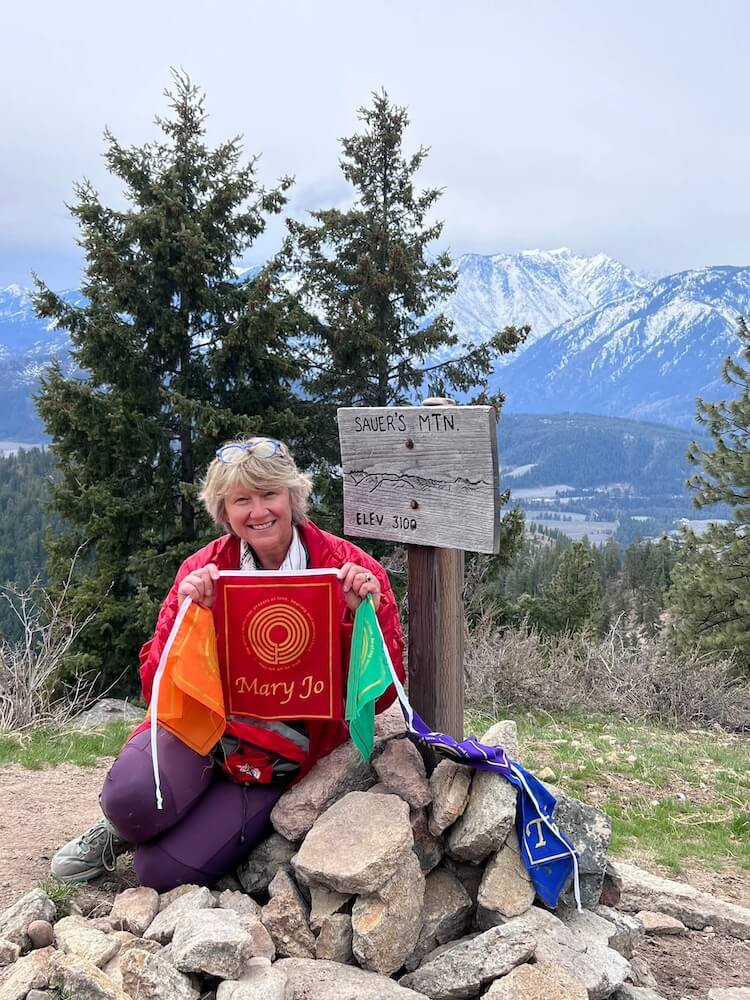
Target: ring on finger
x,y
368,577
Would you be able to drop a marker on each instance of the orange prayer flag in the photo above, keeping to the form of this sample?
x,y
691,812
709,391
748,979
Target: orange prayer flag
x,y
190,700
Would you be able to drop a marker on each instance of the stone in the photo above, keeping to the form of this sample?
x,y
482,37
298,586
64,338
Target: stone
x,y
163,925
491,810
427,847
587,927
14,921
641,974
81,979
389,724
590,831
612,886
9,952
546,927
150,976
357,844
324,903
167,898
40,933
449,785
230,882
134,909
470,876
213,942
601,969
342,771
334,943
75,936
445,914
240,902
463,968
401,769
262,945
629,932
505,890
386,924
38,995
643,891
660,923
542,981
272,855
628,992
286,918
28,973
729,993
109,710
503,734
258,983
314,980
125,941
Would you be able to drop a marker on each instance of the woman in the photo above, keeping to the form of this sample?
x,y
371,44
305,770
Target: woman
x,y
210,821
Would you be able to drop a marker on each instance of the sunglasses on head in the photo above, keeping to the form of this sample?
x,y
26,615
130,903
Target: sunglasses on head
x,y
230,454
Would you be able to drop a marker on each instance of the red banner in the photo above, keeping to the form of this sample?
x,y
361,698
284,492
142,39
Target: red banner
x,y
279,645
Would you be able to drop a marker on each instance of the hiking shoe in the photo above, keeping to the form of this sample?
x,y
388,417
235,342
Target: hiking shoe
x,y
90,855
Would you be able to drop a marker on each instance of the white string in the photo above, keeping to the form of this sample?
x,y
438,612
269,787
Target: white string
x,y
155,697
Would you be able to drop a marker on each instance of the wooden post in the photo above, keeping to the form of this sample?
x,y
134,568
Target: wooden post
x,y
426,477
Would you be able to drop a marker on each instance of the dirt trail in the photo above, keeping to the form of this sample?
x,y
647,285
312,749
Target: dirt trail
x,y
40,811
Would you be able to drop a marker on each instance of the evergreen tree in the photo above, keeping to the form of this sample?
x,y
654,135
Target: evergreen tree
x,y
710,594
374,291
175,354
571,599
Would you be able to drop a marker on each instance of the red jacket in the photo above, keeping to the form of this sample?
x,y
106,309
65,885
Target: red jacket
x,y
325,551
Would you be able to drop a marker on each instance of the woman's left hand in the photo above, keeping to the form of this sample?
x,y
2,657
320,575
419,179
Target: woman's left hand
x,y
357,583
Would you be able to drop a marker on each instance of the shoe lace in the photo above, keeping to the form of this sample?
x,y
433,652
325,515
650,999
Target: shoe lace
x,y
103,841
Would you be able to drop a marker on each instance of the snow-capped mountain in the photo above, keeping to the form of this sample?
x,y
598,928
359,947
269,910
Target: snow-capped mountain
x,y
541,287
645,356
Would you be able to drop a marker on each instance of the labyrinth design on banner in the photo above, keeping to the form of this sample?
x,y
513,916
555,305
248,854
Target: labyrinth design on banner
x,y
279,634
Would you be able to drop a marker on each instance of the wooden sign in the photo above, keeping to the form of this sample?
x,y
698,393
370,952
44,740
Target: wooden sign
x,y
421,475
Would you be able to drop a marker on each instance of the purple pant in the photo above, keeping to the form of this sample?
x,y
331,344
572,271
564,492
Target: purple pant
x,y
208,824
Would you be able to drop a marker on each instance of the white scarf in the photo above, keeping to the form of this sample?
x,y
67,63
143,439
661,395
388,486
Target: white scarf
x,y
294,561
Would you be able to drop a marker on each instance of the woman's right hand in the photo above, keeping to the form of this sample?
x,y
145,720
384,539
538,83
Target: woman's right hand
x,y
200,585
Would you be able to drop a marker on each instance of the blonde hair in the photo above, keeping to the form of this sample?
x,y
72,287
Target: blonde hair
x,y
257,474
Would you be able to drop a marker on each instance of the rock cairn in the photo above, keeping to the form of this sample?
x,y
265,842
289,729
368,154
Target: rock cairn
x,y
376,884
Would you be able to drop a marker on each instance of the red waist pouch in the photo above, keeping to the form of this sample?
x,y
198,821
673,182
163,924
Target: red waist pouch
x,y
254,751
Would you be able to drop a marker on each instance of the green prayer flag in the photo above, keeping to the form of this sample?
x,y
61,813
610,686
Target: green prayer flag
x,y
369,677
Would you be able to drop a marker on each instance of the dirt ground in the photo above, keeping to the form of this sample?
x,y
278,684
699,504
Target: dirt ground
x,y
43,809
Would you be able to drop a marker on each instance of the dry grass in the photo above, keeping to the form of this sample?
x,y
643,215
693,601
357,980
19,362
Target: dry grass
x,y
634,677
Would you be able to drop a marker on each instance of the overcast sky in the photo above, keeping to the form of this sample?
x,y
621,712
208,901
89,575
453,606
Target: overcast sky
x,y
603,126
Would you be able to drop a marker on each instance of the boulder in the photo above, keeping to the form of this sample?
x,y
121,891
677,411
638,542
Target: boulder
x,y
463,968
629,932
134,909
401,770
125,941
427,847
287,919
449,785
109,710
729,993
505,890
163,925
240,902
357,845
445,914
260,982
314,980
9,952
324,903
503,734
213,942
76,977
696,909
386,924
389,724
342,771
590,831
75,936
28,973
14,921
334,943
543,981
660,923
149,976
272,855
